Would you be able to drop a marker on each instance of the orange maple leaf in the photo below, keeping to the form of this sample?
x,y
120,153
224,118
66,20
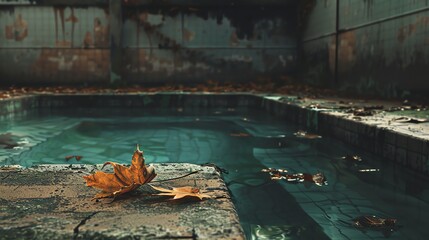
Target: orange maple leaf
x,y
124,179
181,192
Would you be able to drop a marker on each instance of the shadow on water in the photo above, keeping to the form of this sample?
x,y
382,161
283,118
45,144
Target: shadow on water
x,y
266,209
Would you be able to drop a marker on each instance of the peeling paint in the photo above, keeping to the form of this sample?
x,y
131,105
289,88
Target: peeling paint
x,y
155,44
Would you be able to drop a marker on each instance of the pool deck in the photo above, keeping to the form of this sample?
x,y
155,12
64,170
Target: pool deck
x,y
395,131
53,202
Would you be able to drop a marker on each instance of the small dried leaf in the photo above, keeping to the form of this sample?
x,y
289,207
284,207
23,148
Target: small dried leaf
x,y
181,192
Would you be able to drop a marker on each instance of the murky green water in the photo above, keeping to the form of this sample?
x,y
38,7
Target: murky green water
x,y
243,143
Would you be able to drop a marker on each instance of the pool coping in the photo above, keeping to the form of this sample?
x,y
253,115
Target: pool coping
x,y
403,143
53,202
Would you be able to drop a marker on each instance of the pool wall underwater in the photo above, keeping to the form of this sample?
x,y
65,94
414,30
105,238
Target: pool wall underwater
x,y
392,143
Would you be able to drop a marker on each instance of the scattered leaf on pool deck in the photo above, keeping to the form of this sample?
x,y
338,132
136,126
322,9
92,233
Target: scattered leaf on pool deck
x,y
123,179
181,192
10,168
304,134
410,120
361,111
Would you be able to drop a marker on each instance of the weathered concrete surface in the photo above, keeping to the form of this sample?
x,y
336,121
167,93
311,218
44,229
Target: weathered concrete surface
x,y
53,202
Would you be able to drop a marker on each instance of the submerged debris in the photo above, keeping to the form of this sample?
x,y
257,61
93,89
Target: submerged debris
x,y
304,134
8,141
77,157
273,170
375,222
353,158
240,134
278,174
370,170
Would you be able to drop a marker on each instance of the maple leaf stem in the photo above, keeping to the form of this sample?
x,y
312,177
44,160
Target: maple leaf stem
x,y
170,179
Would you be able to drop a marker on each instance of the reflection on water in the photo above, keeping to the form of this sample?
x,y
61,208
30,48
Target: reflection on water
x,y
284,232
243,143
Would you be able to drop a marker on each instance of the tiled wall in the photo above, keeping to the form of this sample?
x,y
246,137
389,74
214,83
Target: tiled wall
x,y
208,43
71,44
318,42
382,48
53,44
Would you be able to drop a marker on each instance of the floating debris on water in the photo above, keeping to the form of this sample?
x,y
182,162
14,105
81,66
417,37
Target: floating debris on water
x,y
304,134
281,174
369,170
354,158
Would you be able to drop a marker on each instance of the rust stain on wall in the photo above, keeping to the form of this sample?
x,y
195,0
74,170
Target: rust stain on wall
x,y
346,51
234,41
17,31
101,34
188,35
405,32
193,51
54,63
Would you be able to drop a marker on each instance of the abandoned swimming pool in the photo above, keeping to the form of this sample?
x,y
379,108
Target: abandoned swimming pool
x,y
243,142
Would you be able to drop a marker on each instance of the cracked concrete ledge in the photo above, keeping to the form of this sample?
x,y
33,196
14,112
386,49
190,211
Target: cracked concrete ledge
x,y
53,202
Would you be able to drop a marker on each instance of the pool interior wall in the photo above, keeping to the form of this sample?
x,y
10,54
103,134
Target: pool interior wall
x,y
200,104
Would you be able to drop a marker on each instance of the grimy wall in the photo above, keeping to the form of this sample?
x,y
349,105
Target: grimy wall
x,y
146,42
382,47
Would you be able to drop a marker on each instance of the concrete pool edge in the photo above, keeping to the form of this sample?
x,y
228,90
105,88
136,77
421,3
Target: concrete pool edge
x,y
377,134
52,202
395,142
